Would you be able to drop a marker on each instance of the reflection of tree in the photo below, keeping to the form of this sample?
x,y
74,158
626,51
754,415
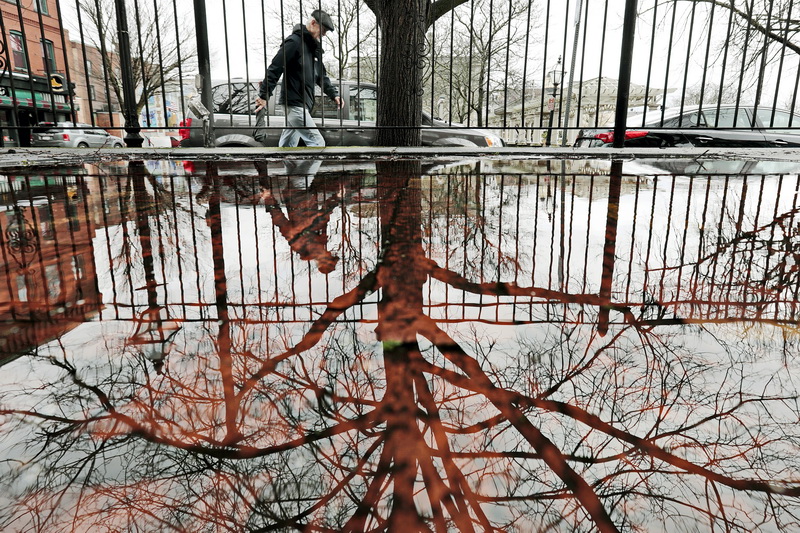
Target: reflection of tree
x,y
479,36
255,427
747,258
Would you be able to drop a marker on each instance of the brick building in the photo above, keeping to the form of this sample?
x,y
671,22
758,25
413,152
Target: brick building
x,y
34,79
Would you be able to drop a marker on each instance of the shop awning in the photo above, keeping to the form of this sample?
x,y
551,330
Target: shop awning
x,y
24,99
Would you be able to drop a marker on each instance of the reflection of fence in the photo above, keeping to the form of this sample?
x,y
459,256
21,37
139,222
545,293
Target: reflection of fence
x,y
485,65
508,248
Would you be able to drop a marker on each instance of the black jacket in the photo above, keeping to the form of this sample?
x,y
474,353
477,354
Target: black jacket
x,y
299,59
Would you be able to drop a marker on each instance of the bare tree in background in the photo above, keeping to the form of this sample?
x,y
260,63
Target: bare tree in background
x,y
711,93
163,46
396,55
471,47
759,35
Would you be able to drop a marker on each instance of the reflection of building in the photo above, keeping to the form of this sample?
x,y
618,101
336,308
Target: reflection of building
x,y
48,278
33,81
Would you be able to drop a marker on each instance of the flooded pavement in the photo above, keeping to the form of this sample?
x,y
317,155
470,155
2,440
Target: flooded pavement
x,y
474,345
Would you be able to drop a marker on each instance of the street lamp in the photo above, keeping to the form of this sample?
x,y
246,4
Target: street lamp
x,y
556,76
155,336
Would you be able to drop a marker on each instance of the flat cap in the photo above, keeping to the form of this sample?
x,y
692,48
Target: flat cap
x,y
323,18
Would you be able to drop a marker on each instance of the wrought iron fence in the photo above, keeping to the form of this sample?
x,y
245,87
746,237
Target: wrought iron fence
x,y
533,73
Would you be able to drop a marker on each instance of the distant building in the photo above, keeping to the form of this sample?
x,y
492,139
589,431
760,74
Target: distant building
x,y
593,102
34,74
98,103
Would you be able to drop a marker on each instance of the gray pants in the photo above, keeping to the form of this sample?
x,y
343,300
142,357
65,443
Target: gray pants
x,y
300,118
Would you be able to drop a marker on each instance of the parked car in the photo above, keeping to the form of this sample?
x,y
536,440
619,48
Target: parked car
x,y
353,125
710,126
70,135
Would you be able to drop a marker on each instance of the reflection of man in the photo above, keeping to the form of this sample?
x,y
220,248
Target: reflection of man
x,y
309,203
299,60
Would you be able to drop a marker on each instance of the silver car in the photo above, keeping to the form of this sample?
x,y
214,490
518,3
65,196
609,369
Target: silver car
x,y
71,135
353,125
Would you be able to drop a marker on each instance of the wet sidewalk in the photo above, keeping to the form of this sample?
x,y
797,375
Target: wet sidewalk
x,y
28,157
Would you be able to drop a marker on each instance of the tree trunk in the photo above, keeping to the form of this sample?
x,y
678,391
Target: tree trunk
x,y
402,25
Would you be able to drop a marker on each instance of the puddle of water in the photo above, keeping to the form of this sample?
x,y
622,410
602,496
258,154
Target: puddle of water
x,y
495,345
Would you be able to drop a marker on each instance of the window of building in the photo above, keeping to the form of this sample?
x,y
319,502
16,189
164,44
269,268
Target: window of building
x,y
22,288
92,93
41,6
49,55
88,68
18,50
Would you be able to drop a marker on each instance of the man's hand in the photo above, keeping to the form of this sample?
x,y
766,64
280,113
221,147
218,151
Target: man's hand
x,y
339,102
260,103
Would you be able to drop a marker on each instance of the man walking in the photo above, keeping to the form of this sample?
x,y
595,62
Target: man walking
x,y
299,60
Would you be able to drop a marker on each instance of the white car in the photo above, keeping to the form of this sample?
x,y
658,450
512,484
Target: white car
x,y
72,135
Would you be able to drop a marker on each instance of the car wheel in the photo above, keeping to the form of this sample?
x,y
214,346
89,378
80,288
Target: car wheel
x,y
83,145
117,145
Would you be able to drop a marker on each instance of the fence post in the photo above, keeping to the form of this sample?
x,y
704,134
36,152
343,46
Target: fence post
x,y
204,66
625,63
133,136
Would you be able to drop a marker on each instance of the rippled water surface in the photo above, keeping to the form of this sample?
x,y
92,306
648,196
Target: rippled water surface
x,y
404,345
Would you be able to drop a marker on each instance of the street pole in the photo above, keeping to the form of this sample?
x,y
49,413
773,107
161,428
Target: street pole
x,y
552,106
576,33
204,65
556,77
625,64
133,137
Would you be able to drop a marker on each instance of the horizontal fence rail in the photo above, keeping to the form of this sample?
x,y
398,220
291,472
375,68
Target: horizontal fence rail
x,y
529,73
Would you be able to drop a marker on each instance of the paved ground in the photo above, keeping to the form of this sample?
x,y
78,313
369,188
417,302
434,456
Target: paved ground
x,y
14,158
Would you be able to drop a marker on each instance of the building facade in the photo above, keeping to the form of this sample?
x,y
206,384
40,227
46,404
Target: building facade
x,y
34,70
